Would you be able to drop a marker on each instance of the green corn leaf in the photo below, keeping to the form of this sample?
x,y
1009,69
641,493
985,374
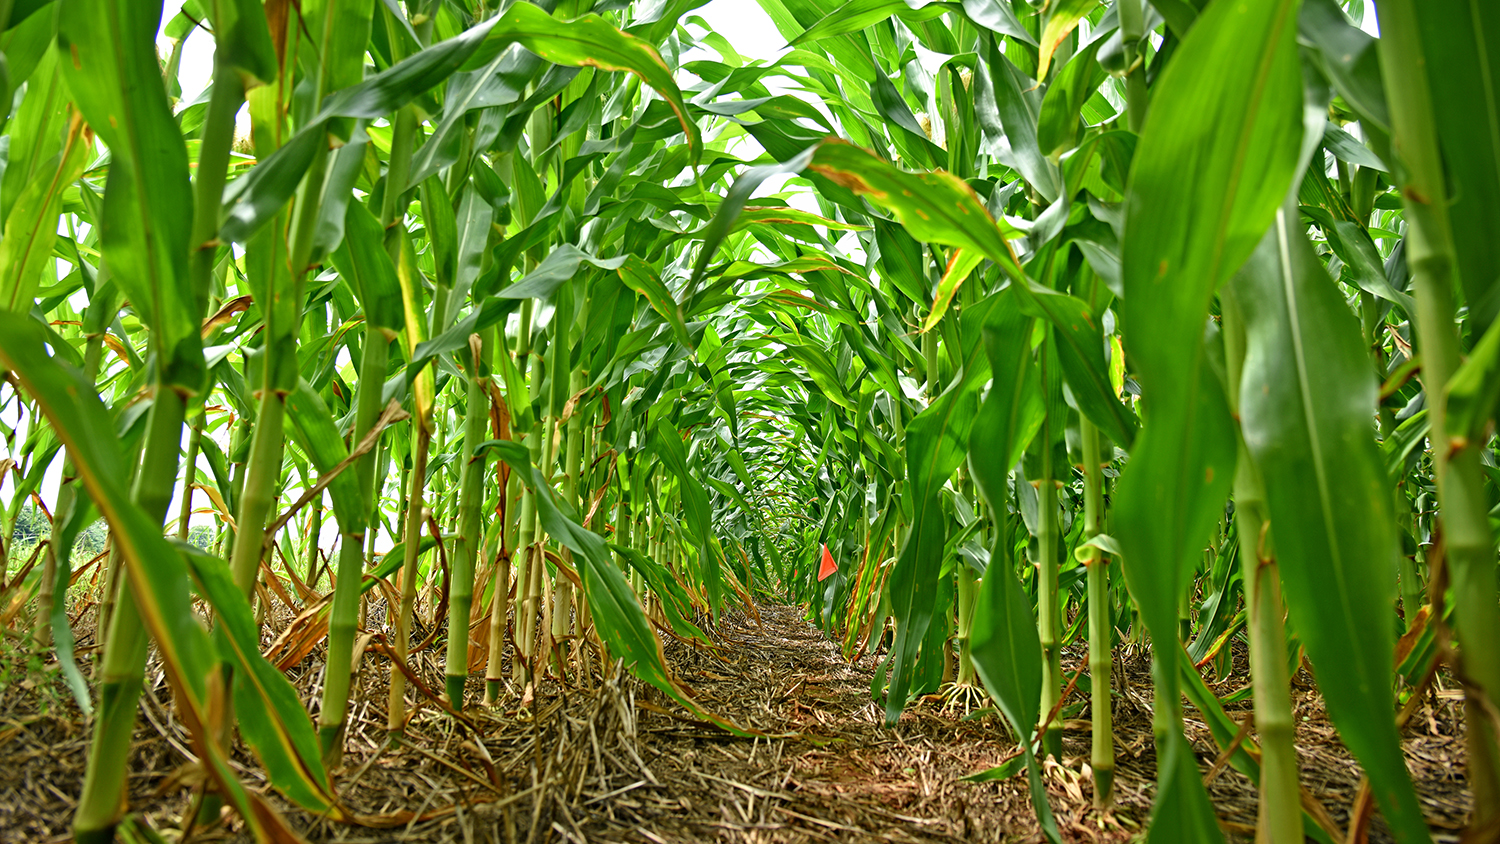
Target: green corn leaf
x,y
37,130
856,15
1012,412
781,216
1306,402
110,50
1080,350
801,266
588,41
1216,156
820,368
28,37
442,236
1186,232
1060,120
475,224
936,442
727,216
414,332
674,599
242,39
1181,811
314,430
1246,758
934,207
1352,243
1006,650
729,491
31,228
218,465
362,259
1003,771
1038,791
960,265
391,561
1004,642
901,261
74,512
618,615
345,166
1461,40
558,269
999,17
1017,114
878,364
516,68
852,61
640,277
667,444
908,134
340,32
1474,389
1003,638
1062,18
267,711
255,198
1348,149
1347,55
157,574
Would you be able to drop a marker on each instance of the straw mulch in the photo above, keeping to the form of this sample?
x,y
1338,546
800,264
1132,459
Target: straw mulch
x,y
615,760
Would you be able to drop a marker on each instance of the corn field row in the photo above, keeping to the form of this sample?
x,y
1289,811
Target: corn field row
x,y
508,329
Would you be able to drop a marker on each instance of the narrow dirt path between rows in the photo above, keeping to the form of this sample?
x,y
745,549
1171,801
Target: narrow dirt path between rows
x,y
841,776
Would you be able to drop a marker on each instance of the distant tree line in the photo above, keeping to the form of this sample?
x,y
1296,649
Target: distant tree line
x,y
33,526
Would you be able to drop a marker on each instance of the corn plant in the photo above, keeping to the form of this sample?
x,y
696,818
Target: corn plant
x,y
538,332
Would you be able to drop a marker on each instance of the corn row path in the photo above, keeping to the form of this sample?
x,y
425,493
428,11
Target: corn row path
x,y
831,771
836,773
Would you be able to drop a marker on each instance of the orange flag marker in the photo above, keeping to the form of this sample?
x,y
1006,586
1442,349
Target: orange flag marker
x,y
828,567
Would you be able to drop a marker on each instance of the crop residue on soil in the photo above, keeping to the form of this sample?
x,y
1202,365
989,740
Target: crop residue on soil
x,y
619,762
